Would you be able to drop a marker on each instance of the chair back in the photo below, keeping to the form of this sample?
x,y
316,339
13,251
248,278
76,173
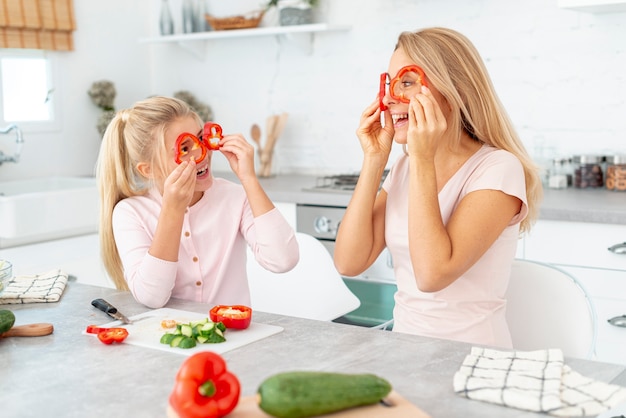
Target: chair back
x,y
313,289
548,308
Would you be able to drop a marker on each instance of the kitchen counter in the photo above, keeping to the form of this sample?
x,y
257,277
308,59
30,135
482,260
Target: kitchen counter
x,y
575,205
68,374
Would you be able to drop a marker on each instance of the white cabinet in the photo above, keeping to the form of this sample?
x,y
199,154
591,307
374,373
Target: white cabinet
x,y
582,250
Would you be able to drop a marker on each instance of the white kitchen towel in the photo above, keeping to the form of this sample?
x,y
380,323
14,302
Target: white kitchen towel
x,y
46,287
534,381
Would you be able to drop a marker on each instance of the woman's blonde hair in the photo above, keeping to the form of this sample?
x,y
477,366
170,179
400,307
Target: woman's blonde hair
x,y
454,67
134,135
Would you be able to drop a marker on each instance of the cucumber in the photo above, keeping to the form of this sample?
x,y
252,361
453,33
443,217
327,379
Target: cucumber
x,y
302,394
7,319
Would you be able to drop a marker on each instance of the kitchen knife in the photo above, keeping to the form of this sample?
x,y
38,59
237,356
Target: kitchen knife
x,y
110,310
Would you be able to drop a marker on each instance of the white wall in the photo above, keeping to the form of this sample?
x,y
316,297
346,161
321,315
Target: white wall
x,y
560,73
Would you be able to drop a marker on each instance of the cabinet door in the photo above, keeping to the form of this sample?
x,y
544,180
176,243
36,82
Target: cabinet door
x,y
576,244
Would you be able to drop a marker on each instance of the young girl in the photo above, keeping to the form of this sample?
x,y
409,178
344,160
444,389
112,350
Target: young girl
x,y
171,229
452,208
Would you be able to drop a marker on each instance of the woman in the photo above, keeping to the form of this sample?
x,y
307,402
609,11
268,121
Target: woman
x,y
452,207
167,227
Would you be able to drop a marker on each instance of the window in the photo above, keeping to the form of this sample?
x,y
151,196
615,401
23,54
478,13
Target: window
x,y
27,90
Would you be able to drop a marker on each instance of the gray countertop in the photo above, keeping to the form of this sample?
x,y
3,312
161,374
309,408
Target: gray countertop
x,y
575,205
68,374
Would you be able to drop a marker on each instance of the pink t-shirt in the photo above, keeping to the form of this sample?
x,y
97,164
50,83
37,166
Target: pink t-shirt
x,y
472,308
211,266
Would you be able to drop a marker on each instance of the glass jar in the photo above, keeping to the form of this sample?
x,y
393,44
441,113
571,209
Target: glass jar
x,y
616,173
588,171
560,175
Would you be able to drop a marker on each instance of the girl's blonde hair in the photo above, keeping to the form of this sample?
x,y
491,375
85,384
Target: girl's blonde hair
x,y
454,67
134,135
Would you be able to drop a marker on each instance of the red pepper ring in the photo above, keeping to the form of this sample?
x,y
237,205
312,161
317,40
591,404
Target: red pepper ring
x,y
204,388
398,78
184,147
232,316
211,135
381,91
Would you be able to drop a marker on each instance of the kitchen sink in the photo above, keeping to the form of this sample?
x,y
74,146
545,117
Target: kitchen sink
x,y
36,210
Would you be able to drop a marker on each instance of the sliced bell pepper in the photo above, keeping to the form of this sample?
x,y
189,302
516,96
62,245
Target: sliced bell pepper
x,y
211,135
186,143
204,388
113,335
398,78
108,335
382,90
232,316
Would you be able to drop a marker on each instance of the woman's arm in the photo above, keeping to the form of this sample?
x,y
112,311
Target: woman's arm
x,y
360,238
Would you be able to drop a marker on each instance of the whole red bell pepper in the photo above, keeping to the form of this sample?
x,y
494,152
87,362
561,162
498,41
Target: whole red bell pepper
x,y
232,316
204,388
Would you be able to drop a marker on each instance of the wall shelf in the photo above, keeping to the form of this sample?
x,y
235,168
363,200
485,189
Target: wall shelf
x,y
594,6
195,42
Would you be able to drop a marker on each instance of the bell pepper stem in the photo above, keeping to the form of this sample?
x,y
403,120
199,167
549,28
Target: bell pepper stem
x,y
207,389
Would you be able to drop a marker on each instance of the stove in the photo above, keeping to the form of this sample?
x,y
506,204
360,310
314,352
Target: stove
x,y
339,183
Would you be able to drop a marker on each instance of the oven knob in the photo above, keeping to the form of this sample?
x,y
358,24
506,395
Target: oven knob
x,y
322,225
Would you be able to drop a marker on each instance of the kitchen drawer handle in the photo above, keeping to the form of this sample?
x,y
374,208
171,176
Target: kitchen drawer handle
x,y
618,248
618,321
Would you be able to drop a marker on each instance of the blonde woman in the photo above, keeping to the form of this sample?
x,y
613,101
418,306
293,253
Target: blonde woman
x,y
453,205
168,228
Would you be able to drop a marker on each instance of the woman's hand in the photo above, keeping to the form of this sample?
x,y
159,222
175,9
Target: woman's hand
x,y
179,186
374,138
240,155
427,125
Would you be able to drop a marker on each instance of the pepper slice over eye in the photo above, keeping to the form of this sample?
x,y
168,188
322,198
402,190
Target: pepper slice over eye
x,y
398,91
211,135
185,144
381,91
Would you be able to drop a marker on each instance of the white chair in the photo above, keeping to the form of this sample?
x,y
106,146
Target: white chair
x,y
313,289
548,308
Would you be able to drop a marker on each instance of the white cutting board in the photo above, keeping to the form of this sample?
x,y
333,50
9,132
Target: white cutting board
x,y
146,331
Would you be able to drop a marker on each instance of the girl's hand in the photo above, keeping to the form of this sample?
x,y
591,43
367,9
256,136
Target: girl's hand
x,y
240,155
374,138
179,186
427,124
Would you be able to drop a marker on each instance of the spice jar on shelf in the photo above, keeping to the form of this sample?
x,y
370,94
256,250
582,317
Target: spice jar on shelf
x,y
588,171
560,175
616,173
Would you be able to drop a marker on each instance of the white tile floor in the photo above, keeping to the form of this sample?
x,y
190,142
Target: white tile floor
x,y
77,256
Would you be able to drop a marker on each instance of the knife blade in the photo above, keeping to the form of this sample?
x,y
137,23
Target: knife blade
x,y
110,310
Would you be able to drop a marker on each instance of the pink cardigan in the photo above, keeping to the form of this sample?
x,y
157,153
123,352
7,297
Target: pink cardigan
x,y
211,266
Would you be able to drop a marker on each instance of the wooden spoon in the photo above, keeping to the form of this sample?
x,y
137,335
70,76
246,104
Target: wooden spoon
x,y
29,330
255,133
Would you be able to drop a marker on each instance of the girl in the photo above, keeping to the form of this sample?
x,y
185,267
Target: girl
x,y
452,207
172,230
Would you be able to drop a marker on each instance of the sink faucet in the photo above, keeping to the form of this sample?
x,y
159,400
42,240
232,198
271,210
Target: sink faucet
x,y
4,158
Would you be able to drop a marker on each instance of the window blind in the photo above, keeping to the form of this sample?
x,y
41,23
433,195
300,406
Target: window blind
x,y
37,24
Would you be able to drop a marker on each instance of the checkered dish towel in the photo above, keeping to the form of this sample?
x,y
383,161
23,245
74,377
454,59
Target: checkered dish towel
x,y
536,381
46,287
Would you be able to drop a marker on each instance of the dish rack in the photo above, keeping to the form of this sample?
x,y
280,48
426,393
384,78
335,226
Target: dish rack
x,y
248,21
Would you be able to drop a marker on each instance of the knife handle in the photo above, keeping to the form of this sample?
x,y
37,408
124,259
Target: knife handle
x,y
104,306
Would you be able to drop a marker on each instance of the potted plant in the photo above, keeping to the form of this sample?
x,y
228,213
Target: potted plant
x,y
294,12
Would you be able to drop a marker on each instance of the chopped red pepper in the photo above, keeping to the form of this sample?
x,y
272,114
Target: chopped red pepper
x,y
108,335
232,316
204,387
113,335
211,135
421,79
186,143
